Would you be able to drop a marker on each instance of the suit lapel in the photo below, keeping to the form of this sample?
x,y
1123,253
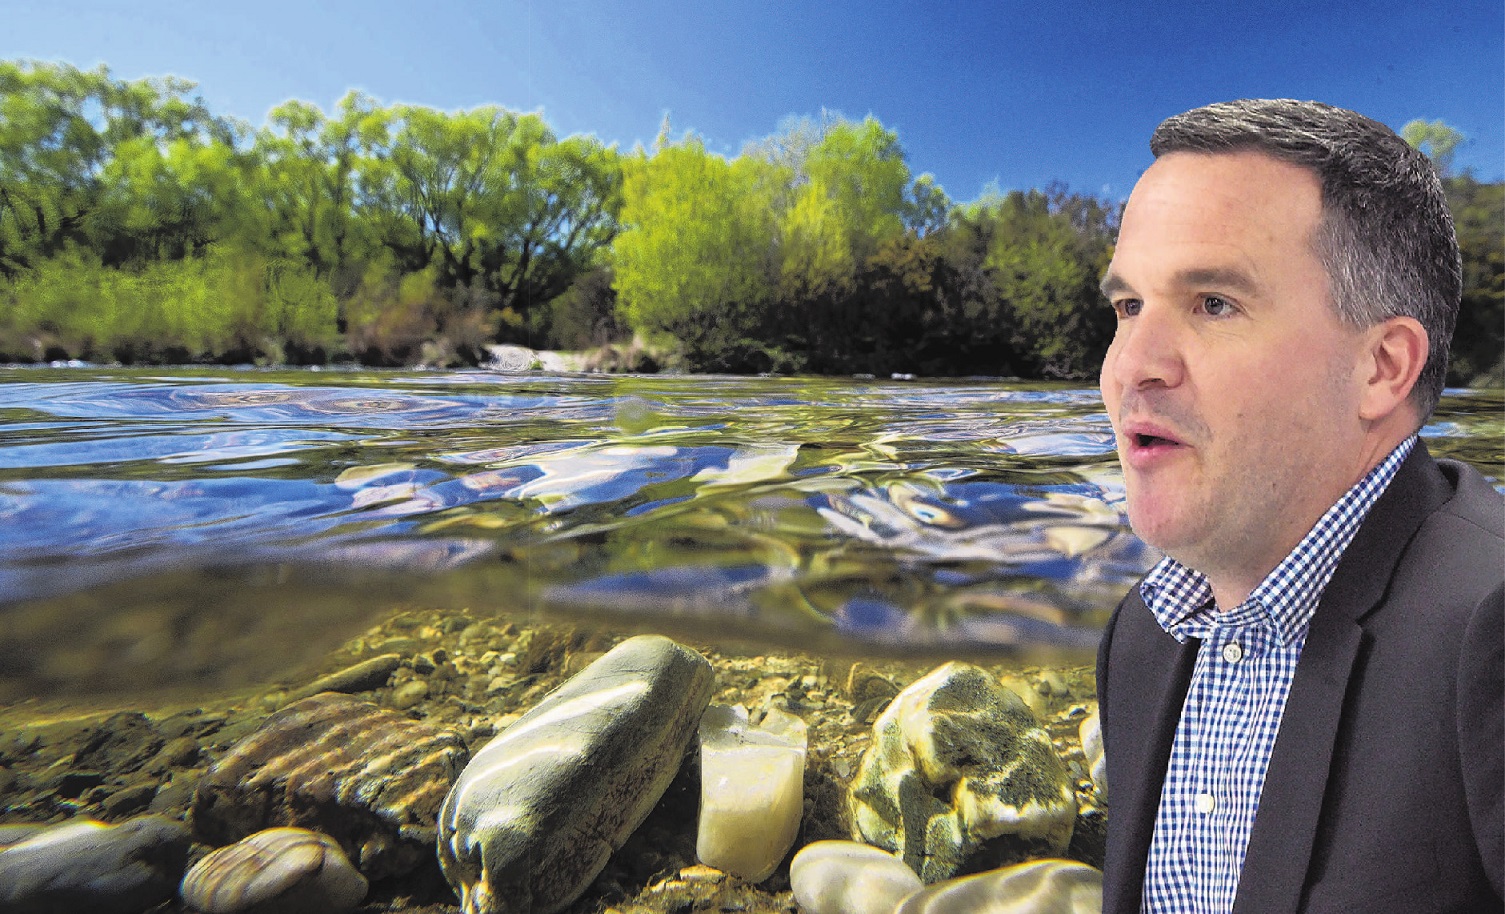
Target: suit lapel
x,y
1159,672
1290,805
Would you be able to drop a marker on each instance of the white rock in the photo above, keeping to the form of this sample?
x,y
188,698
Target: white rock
x,y
848,877
752,790
1036,887
282,870
1092,746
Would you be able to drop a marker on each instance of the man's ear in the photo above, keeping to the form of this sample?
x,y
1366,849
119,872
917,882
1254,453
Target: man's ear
x,y
1395,352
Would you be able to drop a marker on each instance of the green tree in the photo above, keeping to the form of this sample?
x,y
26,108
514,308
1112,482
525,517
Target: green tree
x,y
1477,353
308,169
697,254
849,196
85,159
1042,253
505,213
1435,138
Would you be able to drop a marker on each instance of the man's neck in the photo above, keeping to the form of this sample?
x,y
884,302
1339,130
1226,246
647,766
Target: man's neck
x,y
1232,586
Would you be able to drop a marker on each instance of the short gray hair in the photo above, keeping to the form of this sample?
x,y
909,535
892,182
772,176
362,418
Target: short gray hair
x,y
1386,237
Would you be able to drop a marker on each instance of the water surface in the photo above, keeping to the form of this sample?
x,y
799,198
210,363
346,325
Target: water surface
x,y
219,527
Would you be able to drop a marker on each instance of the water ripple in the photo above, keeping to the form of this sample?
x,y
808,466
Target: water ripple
x,y
930,516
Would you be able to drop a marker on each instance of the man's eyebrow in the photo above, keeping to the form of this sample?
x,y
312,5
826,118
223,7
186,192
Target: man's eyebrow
x,y
1113,284
1218,277
1230,278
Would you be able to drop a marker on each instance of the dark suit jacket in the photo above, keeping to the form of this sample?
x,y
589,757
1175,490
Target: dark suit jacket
x,y
1384,789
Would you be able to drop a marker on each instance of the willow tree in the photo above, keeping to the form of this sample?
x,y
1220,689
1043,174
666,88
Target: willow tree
x,y
309,166
1437,139
68,137
847,198
1041,253
697,254
491,200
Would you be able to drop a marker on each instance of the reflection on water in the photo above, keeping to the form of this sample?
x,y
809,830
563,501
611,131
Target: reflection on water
x,y
198,528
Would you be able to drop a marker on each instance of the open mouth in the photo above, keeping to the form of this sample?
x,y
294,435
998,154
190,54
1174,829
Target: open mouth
x,y
1153,441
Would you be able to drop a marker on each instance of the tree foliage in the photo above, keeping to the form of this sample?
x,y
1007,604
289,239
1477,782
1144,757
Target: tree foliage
x,y
137,225
1435,138
1478,348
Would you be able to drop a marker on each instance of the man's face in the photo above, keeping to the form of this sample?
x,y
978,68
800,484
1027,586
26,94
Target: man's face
x,y
1231,383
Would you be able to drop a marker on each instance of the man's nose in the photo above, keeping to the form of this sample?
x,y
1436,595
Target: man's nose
x,y
1147,351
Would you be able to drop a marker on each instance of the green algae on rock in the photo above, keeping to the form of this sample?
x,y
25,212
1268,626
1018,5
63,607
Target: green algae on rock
x,y
958,762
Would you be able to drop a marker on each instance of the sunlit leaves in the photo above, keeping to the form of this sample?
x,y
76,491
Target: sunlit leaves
x,y
1435,138
695,256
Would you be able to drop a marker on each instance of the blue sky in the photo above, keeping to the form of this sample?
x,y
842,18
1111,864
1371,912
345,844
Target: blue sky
x,y
1021,93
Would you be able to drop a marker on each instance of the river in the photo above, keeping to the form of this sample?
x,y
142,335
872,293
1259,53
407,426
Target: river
x,y
212,528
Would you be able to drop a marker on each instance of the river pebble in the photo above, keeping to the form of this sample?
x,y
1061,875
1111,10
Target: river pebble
x,y
959,761
88,867
276,871
536,814
1092,747
358,677
1037,887
370,778
848,877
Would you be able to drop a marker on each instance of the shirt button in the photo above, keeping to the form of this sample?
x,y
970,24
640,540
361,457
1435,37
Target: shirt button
x,y
1233,652
1206,803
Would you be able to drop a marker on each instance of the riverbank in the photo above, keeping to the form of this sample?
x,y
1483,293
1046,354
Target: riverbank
x,y
471,675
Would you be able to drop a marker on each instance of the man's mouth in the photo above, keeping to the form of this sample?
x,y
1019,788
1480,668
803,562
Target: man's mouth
x,y
1143,439
1146,440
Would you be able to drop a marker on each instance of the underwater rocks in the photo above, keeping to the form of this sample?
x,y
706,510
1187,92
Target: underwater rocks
x,y
536,814
752,789
959,762
277,871
847,877
1037,887
370,778
481,675
88,867
1092,748
358,677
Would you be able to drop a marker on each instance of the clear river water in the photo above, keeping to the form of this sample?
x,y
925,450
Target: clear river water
x,y
212,528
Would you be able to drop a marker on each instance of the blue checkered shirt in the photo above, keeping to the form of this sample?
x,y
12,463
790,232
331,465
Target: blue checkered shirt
x,y
1234,703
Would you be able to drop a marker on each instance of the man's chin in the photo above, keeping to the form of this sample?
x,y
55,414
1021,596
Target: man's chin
x,y
1162,529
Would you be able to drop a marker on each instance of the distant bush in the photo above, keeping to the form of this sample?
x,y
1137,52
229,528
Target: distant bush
x,y
222,306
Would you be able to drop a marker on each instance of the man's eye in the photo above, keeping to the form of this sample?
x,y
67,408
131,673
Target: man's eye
x,y
1214,306
1128,307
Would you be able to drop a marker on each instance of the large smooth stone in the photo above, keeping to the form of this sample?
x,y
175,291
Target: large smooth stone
x,y
752,790
537,813
15,834
959,762
1091,732
277,871
847,877
370,778
1037,887
89,867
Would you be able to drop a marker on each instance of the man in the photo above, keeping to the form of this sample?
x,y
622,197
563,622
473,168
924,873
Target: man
x,y
1302,704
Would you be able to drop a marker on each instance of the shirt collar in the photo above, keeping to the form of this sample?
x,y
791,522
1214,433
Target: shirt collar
x,y
1181,598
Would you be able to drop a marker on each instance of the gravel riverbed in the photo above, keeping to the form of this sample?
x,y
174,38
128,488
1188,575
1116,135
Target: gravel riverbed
x,y
473,674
